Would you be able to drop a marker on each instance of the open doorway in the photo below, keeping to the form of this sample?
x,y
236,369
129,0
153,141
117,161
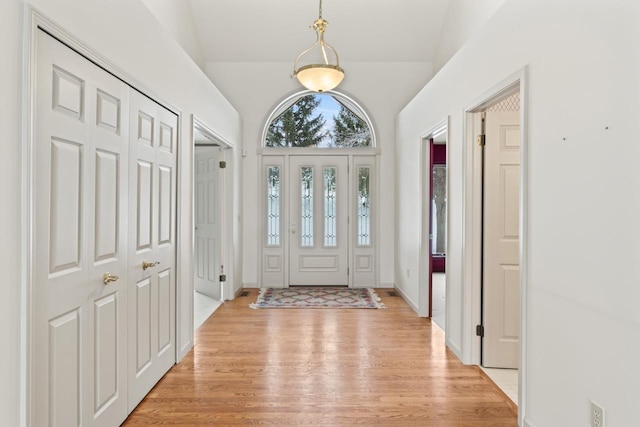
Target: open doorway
x,y
208,272
433,291
438,227
497,128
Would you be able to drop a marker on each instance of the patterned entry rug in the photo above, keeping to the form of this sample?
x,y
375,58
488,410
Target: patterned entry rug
x,y
317,297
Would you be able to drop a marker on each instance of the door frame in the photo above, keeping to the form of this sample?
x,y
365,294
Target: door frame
x,y
35,21
472,223
225,179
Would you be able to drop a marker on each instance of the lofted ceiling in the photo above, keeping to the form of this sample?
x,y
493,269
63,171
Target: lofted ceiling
x,y
360,30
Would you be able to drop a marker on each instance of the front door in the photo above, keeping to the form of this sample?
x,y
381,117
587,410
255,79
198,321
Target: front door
x,y
501,281
318,232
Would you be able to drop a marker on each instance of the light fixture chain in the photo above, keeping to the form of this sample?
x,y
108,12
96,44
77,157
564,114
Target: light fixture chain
x,y
320,10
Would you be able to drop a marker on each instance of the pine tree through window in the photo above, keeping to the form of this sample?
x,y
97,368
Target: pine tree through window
x,y
319,120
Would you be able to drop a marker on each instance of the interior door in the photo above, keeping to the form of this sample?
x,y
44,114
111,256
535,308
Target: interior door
x,y
318,232
207,232
151,287
501,281
80,207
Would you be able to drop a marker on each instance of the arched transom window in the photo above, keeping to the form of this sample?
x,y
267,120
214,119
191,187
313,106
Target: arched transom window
x,y
319,120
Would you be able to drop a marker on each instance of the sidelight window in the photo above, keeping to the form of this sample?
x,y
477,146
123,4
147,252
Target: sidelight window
x,y
364,206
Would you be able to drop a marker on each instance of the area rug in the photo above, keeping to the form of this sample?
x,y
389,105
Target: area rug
x,y
317,297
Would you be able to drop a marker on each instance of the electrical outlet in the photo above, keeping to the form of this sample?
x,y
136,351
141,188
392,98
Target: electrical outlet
x,y
597,415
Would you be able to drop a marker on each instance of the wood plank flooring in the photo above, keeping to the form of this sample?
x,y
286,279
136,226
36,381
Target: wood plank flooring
x,y
326,367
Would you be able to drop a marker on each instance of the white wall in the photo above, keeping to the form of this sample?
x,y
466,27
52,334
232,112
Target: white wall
x,y
176,16
463,19
256,89
124,32
583,295
10,215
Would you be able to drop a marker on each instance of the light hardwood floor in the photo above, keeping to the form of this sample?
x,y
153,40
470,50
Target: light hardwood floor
x,y
327,367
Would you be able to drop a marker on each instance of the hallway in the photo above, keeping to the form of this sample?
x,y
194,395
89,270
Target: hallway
x,y
383,367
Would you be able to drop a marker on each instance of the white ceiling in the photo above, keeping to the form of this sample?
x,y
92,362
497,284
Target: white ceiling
x,y
360,30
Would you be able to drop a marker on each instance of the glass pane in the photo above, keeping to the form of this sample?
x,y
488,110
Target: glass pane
x,y
306,206
273,206
439,209
319,121
330,210
364,206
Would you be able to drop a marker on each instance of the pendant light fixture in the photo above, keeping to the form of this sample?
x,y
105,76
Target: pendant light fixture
x,y
319,77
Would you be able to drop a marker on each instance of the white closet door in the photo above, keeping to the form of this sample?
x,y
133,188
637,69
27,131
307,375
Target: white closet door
x,y
80,206
152,202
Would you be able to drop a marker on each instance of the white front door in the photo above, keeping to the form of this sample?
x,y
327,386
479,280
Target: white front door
x,y
80,206
318,216
501,281
152,203
207,223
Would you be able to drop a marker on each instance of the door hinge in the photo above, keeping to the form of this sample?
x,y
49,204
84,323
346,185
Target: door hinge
x,y
223,164
347,271
481,140
480,331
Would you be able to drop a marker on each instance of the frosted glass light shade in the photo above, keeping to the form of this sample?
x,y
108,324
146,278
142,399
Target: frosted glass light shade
x,y
320,77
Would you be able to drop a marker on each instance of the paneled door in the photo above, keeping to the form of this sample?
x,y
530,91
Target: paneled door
x,y
318,230
152,202
80,252
501,282
207,232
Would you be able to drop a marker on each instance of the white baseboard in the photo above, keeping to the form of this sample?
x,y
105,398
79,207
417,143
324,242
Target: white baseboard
x,y
386,285
455,349
408,301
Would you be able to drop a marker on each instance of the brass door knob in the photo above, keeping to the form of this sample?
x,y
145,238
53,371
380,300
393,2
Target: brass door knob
x,y
108,278
146,264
